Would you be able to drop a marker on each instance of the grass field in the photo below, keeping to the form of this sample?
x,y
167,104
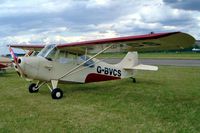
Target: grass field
x,y
163,101
161,55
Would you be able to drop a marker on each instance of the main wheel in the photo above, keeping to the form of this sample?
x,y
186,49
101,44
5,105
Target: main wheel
x,y
33,88
57,93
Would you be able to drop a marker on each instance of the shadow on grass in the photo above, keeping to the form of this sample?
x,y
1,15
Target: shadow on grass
x,y
108,86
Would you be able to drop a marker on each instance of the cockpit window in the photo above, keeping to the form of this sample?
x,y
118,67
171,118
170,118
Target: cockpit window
x,y
52,54
45,51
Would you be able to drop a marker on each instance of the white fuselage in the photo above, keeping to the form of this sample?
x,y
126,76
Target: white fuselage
x,y
39,68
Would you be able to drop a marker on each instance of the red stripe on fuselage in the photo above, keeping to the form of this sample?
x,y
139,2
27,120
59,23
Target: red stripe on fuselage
x,y
94,77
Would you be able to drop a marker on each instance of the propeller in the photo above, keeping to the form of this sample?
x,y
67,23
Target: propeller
x,y
16,60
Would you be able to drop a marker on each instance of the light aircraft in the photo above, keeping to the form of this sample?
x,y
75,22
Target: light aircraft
x,y
72,63
4,63
196,50
2,68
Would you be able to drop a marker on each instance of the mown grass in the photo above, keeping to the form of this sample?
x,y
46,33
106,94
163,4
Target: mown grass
x,y
156,55
163,101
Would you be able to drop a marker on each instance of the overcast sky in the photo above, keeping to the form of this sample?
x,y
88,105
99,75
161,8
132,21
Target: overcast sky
x,y
61,21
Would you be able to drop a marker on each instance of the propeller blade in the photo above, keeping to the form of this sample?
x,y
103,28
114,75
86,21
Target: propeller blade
x,y
15,58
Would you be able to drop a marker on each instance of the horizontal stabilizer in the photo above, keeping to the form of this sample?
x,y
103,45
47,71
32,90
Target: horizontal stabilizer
x,y
143,67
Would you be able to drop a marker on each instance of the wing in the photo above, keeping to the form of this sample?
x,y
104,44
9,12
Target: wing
x,y
28,47
148,42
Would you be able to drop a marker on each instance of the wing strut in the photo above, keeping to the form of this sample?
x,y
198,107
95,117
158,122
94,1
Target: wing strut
x,y
70,71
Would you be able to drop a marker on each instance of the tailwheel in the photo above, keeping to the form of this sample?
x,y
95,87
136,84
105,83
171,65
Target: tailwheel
x,y
57,93
133,79
33,88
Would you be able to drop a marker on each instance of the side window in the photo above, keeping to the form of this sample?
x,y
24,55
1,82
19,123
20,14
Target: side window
x,y
35,53
64,57
89,63
61,54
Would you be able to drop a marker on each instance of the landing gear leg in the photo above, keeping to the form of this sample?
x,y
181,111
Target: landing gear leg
x,y
56,93
33,87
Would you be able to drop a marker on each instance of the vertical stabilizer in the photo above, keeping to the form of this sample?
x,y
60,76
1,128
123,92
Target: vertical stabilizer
x,y
130,60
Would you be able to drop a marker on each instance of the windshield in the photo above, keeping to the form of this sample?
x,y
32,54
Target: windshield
x,y
46,50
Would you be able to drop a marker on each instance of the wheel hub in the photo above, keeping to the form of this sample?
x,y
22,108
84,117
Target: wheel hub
x,y
58,94
35,88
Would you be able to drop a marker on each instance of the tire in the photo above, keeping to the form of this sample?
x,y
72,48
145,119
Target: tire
x,y
57,93
33,88
134,80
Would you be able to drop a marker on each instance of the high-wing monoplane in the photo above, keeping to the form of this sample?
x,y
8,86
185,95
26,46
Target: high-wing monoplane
x,y
4,63
77,63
